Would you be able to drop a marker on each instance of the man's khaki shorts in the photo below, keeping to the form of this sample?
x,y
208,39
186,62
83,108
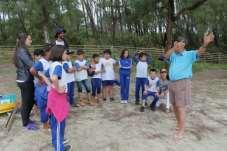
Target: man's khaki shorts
x,y
180,92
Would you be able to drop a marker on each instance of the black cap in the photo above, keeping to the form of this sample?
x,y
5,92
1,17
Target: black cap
x,y
59,30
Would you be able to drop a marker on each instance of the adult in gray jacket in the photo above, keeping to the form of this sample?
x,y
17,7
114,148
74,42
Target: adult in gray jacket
x,y
23,62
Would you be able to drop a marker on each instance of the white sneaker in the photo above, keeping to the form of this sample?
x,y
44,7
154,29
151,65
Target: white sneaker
x,y
126,101
122,101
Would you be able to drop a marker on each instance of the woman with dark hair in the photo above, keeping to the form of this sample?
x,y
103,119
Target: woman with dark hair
x,y
125,65
23,62
57,104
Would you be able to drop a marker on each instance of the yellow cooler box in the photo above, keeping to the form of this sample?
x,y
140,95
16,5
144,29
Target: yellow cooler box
x,y
7,102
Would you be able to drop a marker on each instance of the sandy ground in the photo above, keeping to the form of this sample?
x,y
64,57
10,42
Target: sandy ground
x,y
117,127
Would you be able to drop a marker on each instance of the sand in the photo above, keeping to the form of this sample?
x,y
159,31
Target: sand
x,y
117,127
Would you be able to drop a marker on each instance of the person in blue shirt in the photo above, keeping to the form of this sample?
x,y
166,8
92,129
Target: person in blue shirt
x,y
125,65
180,74
41,91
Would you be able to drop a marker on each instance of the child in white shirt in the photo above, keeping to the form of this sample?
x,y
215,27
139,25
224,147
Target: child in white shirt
x,y
82,67
96,79
151,89
141,75
108,75
70,78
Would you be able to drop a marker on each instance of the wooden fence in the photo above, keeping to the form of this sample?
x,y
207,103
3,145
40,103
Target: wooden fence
x,y
210,57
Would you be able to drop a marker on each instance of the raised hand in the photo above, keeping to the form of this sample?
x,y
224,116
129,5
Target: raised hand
x,y
208,38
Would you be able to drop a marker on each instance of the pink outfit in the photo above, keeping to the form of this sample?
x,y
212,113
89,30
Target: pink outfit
x,y
57,105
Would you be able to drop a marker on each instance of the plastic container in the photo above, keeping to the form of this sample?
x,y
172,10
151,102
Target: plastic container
x,y
7,102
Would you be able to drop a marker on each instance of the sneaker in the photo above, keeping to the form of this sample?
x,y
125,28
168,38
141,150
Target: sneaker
x,y
75,105
104,99
122,101
146,104
142,109
67,147
137,102
126,101
153,108
65,142
111,99
32,126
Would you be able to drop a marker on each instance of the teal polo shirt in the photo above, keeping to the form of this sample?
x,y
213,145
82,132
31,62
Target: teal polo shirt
x,y
181,64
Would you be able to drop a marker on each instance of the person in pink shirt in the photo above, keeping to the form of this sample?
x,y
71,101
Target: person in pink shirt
x,y
57,104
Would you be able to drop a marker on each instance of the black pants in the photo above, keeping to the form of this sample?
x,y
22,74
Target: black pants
x,y
27,96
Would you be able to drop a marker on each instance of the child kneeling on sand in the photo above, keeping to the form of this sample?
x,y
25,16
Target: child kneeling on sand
x,y
151,89
164,90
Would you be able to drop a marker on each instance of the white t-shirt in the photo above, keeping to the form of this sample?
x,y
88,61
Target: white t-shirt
x,y
141,69
61,43
98,68
81,75
70,77
62,81
45,66
108,65
153,84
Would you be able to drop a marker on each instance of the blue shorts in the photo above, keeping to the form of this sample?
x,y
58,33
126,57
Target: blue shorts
x,y
108,82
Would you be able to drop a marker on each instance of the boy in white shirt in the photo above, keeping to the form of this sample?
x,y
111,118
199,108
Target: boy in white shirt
x,y
108,75
151,89
141,75
70,78
96,79
82,76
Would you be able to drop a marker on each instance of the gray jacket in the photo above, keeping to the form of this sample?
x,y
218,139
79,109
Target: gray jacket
x,y
24,63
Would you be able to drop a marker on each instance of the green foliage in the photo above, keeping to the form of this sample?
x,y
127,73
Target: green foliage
x,y
117,22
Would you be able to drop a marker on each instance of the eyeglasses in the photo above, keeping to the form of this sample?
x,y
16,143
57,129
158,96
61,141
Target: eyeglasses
x,y
163,72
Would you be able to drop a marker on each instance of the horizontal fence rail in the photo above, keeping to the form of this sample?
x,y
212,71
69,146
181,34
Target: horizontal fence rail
x,y
211,57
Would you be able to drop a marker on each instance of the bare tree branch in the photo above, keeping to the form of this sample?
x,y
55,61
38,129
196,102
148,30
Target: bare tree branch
x,y
189,8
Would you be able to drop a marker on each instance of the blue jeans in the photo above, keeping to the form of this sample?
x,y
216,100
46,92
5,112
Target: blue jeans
x,y
57,132
96,84
155,100
70,93
81,84
41,101
124,83
140,83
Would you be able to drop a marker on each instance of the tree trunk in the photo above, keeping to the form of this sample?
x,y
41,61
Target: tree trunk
x,y
85,18
169,24
172,17
90,15
45,21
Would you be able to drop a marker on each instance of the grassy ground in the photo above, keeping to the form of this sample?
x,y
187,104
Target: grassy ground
x,y
201,66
